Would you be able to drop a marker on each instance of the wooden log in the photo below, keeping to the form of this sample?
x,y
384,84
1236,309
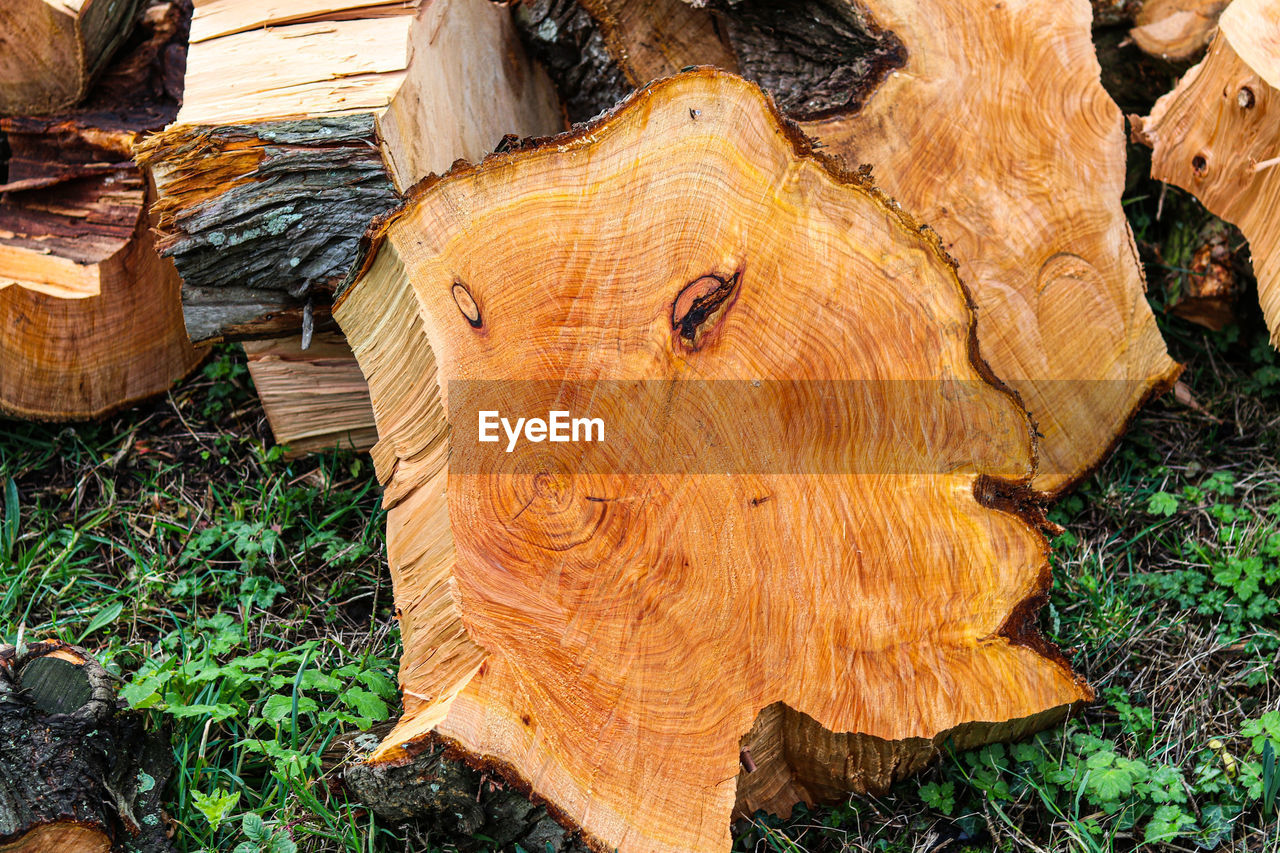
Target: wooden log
x,y
1216,135
78,773
989,123
1176,30
90,315
302,121
315,398
51,51
645,632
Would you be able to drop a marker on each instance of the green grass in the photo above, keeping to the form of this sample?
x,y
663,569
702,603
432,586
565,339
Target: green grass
x,y
243,599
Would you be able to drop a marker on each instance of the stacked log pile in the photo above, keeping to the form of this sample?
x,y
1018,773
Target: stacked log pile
x,y
848,289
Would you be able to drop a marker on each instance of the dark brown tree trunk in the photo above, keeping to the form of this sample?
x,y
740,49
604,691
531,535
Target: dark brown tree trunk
x,y
78,773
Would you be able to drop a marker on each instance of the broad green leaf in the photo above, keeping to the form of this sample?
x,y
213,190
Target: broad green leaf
x,y
1162,503
380,684
254,826
279,707
366,704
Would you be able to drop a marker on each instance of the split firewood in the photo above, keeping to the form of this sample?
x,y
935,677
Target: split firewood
x,y
304,120
78,773
800,552
90,315
987,122
1176,30
315,398
1216,136
52,50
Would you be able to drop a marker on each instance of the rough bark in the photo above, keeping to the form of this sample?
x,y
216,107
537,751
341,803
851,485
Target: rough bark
x,y
90,315
1216,136
315,397
997,133
52,50
300,124
78,774
562,36
609,624
280,235
458,801
815,57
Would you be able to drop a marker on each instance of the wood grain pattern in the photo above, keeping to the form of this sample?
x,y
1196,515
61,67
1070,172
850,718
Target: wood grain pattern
x,y
316,399
74,358
612,637
90,314
1217,135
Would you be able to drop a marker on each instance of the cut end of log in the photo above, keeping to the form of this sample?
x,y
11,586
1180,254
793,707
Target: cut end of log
x,y
1025,190
1176,30
611,628
62,837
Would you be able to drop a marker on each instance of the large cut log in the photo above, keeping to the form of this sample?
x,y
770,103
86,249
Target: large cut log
x,y
315,397
800,555
52,50
989,123
1217,136
90,314
302,121
78,773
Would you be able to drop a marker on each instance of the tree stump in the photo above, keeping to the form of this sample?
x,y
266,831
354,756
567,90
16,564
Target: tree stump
x,y
802,555
78,774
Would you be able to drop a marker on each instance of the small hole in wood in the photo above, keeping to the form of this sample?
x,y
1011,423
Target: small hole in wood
x,y
700,306
1245,98
1199,164
467,304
